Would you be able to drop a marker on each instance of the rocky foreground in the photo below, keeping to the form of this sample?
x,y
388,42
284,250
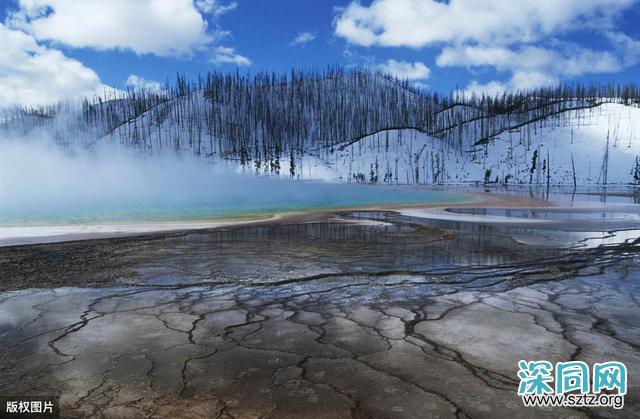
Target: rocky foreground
x,y
392,317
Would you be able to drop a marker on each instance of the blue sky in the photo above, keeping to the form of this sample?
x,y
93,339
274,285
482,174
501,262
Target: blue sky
x,y
57,49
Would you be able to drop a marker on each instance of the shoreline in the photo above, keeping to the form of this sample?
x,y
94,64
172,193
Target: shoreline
x,y
63,233
48,234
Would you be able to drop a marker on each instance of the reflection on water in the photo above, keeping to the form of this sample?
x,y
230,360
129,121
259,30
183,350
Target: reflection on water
x,y
559,194
561,214
270,253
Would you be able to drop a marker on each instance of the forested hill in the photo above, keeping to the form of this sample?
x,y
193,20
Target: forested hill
x,y
356,125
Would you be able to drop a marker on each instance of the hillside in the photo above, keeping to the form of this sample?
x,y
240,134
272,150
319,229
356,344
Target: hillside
x,y
602,145
355,126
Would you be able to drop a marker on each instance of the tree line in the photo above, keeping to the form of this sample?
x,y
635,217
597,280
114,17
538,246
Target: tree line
x,y
262,118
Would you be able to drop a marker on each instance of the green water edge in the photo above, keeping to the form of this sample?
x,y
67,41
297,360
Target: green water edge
x,y
384,196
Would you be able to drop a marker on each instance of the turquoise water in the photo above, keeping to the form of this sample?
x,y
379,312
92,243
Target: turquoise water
x,y
263,198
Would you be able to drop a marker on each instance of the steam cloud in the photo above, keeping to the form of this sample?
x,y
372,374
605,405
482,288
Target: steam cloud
x,y
40,181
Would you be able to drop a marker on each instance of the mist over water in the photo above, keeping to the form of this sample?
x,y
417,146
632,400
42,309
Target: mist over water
x,y
42,183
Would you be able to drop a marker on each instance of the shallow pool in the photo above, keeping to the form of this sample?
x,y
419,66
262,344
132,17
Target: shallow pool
x,y
266,196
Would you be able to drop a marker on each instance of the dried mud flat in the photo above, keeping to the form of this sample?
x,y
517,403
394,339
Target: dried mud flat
x,y
393,317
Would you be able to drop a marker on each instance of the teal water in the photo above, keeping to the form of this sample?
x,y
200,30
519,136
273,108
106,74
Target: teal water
x,y
225,203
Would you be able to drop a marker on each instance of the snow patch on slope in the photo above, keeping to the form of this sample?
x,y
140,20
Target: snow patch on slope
x,y
583,137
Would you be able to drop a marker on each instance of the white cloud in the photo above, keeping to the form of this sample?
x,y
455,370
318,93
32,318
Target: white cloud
x,y
574,61
32,74
521,80
530,67
227,55
303,38
405,70
418,23
505,35
421,85
527,80
627,47
137,82
493,88
161,27
214,7
474,56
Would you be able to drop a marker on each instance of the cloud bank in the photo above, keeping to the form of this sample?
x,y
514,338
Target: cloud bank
x,y
35,71
32,74
518,36
41,183
160,27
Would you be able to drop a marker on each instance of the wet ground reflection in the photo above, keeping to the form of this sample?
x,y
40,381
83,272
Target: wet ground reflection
x,y
399,317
